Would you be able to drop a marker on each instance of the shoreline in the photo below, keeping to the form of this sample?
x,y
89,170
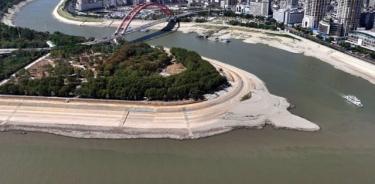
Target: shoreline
x,y
8,17
337,59
110,120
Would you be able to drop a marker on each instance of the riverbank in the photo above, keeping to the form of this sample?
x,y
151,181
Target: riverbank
x,y
104,23
297,44
101,119
8,18
300,45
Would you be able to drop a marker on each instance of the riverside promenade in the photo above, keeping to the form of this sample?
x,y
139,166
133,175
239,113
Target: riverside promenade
x,y
89,118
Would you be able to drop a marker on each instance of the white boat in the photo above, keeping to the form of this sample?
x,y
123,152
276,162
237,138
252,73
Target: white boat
x,y
353,99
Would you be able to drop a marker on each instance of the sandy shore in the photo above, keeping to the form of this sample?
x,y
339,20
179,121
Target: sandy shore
x,y
102,119
337,59
103,23
8,18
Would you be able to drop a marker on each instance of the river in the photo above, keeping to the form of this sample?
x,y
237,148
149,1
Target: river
x,y
342,152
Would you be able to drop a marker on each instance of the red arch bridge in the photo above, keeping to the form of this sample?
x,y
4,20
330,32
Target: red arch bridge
x,y
123,29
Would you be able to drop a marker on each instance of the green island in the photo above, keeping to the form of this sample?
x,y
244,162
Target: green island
x,y
127,72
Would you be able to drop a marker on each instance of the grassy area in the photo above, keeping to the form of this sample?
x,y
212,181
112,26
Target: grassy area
x,y
283,35
63,13
246,97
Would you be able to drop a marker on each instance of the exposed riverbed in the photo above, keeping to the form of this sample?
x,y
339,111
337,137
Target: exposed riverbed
x,y
342,152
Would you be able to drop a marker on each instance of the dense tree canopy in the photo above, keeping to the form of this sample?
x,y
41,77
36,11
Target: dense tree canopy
x,y
15,61
15,37
132,72
5,4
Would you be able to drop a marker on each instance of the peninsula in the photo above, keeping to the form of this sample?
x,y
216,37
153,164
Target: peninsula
x,y
163,104
135,91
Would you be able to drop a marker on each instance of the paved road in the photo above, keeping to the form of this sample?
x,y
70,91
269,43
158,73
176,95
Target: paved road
x,y
10,50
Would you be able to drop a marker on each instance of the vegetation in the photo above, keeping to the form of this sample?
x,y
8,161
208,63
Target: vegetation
x,y
200,20
132,72
358,50
11,64
6,4
15,37
353,50
252,21
269,26
246,97
185,19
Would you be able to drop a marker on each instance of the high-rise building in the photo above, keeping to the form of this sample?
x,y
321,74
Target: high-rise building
x,y
330,27
314,12
260,7
367,19
366,3
228,3
288,16
291,3
348,14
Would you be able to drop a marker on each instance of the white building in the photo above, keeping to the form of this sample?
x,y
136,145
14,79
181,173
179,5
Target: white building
x,y
364,39
289,16
84,5
279,15
243,9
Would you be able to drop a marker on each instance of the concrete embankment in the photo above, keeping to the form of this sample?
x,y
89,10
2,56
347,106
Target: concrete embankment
x,y
114,119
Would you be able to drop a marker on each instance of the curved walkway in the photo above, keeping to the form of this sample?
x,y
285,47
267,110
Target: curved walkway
x,y
111,119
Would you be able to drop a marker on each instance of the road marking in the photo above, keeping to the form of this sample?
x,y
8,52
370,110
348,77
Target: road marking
x,y
124,117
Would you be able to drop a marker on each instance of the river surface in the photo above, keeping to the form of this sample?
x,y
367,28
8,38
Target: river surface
x,y
343,152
